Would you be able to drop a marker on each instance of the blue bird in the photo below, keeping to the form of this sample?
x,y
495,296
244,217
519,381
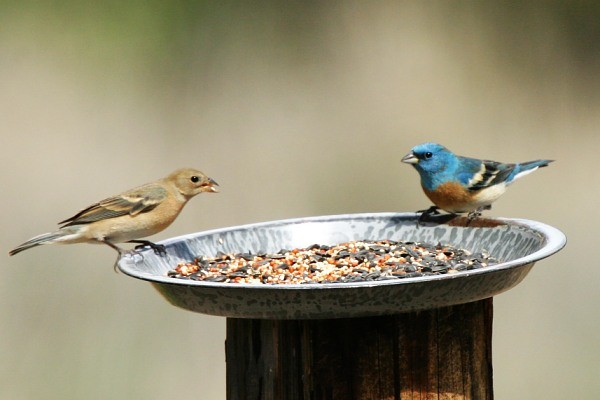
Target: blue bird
x,y
464,185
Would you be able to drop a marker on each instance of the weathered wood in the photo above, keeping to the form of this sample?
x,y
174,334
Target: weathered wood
x,y
436,354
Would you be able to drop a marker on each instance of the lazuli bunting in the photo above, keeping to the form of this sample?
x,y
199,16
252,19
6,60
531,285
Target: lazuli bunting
x,y
460,184
136,213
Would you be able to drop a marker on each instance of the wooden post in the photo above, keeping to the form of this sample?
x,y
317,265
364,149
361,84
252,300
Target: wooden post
x,y
443,353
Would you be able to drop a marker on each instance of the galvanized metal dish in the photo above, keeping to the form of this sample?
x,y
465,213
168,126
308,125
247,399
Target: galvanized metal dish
x,y
517,243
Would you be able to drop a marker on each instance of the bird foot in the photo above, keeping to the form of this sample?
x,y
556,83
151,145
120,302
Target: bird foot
x,y
433,210
159,249
432,214
473,215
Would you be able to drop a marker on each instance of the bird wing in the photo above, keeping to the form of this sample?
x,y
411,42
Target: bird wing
x,y
133,202
480,174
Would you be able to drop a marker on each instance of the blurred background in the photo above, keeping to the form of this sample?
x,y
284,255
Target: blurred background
x,y
296,109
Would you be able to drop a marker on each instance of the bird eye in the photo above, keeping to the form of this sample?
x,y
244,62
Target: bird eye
x,y
428,155
195,179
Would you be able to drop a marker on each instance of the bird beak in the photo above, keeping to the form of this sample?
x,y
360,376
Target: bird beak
x,y
210,186
410,159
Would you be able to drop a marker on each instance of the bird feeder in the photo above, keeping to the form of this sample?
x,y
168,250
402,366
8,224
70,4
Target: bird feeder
x,y
411,338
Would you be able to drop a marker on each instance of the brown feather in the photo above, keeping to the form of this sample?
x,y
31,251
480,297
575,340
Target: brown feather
x,y
133,202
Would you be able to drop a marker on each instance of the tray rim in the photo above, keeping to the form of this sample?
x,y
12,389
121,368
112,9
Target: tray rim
x,y
554,241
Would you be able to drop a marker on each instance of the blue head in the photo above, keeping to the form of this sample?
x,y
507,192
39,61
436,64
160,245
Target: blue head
x,y
435,163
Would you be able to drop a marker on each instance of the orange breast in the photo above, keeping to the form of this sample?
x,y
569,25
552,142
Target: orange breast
x,y
451,197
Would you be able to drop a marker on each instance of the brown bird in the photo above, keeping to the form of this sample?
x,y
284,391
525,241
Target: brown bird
x,y
134,214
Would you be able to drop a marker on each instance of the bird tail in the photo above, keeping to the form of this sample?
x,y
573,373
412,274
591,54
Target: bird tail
x,y
46,238
528,167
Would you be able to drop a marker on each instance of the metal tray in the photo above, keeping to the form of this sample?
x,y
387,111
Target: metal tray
x,y
518,243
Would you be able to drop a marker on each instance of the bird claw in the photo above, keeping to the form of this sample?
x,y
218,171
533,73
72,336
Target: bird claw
x,y
159,249
426,215
432,214
473,215
433,210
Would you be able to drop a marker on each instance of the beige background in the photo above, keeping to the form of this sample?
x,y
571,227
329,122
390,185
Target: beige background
x,y
296,110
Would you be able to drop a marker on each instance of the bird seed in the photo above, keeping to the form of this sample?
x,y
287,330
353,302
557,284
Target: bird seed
x,y
356,261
